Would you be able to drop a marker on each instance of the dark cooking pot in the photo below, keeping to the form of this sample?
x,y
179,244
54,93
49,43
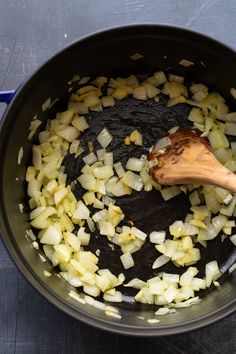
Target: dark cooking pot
x,y
101,53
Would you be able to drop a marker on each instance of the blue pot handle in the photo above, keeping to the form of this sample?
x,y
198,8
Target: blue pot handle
x,y
6,96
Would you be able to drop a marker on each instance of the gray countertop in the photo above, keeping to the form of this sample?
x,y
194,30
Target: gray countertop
x,y
30,32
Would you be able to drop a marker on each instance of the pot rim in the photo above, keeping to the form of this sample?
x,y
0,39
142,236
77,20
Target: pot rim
x,y
37,282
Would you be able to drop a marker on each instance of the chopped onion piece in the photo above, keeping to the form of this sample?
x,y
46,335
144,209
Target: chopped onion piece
x,y
114,297
233,92
135,283
230,128
83,236
169,193
186,63
138,233
100,154
80,123
160,77
176,78
104,138
108,101
90,159
233,239
106,228
162,143
157,237
163,311
136,138
108,158
134,164
160,261
133,181
136,56
88,182
103,172
81,212
119,169
51,236
20,155
107,200
212,272
127,260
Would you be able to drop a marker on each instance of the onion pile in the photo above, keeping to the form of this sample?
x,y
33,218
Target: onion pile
x,y
55,212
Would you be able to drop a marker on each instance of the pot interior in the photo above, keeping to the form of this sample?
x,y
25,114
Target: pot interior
x,y
108,53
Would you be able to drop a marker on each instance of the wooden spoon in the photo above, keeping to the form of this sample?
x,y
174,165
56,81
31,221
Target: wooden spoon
x,y
187,158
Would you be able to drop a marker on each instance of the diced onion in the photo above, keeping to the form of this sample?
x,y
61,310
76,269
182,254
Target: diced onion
x,y
233,239
134,164
160,261
212,272
186,63
90,159
157,237
104,138
133,181
169,193
162,143
119,169
127,260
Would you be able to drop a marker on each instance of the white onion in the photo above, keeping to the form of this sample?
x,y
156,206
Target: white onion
x,y
90,159
108,158
151,90
107,200
218,140
138,233
186,63
117,297
160,261
176,78
140,93
170,278
233,92
20,155
127,260
233,239
169,193
119,169
160,77
81,212
69,133
212,272
103,172
108,101
157,237
134,164
133,181
104,138
51,236
100,154
97,204
106,228
230,128
135,283
90,224
80,123
162,143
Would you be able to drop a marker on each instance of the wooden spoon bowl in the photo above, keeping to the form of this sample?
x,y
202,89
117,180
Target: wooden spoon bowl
x,y
188,159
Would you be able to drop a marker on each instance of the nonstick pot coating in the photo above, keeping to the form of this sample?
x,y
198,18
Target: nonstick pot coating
x,y
106,53
147,210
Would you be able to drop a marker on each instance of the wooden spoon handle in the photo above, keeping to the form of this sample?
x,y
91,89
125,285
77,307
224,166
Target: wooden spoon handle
x,y
222,177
